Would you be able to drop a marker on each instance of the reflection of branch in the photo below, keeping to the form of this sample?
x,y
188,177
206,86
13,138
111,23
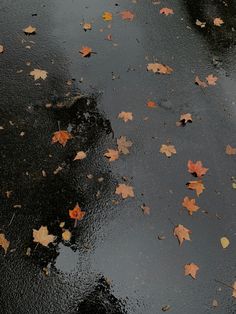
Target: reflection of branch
x,y
225,284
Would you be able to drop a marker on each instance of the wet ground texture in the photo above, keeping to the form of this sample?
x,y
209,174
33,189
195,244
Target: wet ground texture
x,y
115,262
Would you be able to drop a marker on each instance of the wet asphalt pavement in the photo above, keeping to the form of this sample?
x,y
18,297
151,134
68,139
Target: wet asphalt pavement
x,y
114,262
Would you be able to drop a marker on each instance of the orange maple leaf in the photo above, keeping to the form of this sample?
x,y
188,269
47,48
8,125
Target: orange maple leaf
x,y
196,168
151,104
61,136
127,15
112,154
166,11
197,186
77,213
191,269
85,51
211,79
190,205
230,150
87,26
125,190
182,233
107,16
159,68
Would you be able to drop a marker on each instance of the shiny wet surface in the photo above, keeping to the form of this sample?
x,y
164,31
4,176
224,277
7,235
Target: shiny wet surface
x,y
114,262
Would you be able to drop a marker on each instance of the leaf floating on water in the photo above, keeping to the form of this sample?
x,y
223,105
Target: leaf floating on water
x,y
77,213
182,233
124,145
166,11
30,30
61,136
37,74
107,16
112,154
159,68
191,269
41,236
4,243
224,242
168,150
124,190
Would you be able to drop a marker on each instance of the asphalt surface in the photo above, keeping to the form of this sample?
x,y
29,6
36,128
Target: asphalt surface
x,y
114,262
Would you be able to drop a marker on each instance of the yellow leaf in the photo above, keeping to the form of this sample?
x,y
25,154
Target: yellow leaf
x,y
224,242
66,235
107,16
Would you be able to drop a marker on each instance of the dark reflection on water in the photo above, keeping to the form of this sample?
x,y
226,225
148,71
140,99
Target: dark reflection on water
x,y
222,38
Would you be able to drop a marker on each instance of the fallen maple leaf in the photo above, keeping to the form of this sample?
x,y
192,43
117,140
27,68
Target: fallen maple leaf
x,y
1,48
166,11
185,118
182,233
4,243
199,82
218,21
30,30
107,16
126,116
112,154
87,26
124,190
196,168
77,213
80,155
127,15
85,51
146,209
230,150
61,136
190,205
211,79
234,290
37,74
191,269
151,104
159,68
41,236
123,145
201,24
197,186
168,150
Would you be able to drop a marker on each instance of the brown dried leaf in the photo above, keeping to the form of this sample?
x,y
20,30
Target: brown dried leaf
x,y
182,233
191,269
124,190
123,145
80,155
87,26
211,79
218,21
1,48
159,68
30,30
229,150
198,186
37,74
61,136
200,83
127,15
166,11
168,150
126,116
41,236
112,154
85,51
4,243
190,205
201,24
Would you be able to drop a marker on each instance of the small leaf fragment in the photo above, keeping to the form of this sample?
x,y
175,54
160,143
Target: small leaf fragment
x,y
80,155
4,243
30,30
66,235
